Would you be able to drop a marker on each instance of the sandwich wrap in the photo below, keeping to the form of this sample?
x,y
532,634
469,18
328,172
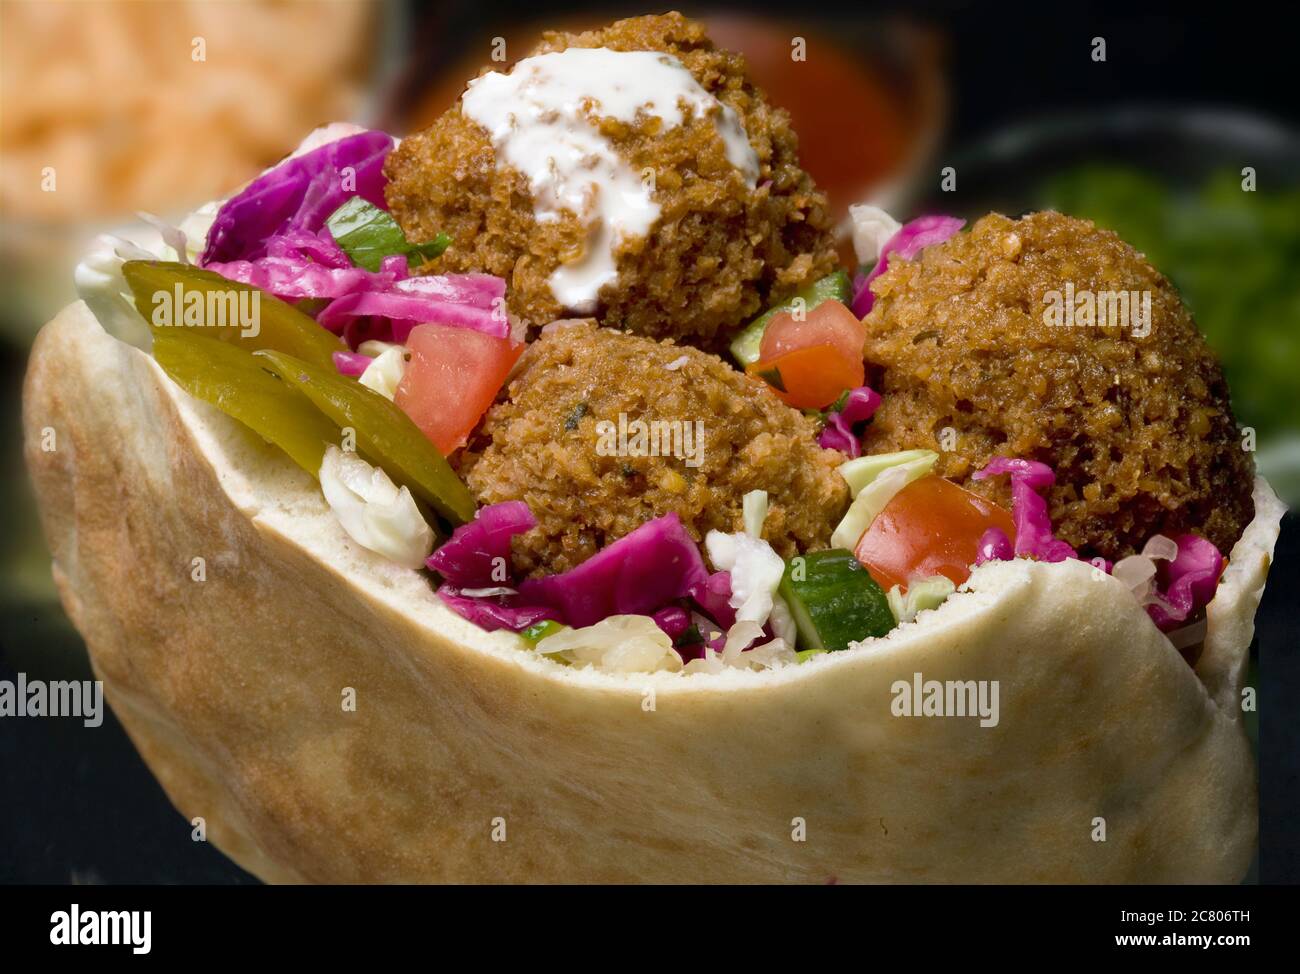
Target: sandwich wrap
x,y
467,758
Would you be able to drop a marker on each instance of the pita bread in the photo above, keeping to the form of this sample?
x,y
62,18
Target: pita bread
x,y
470,759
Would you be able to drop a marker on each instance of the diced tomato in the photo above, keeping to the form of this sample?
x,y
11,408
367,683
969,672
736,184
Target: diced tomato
x,y
451,379
810,378
931,527
830,323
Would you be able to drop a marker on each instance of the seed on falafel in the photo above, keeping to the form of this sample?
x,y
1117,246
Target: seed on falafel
x,y
1133,415
566,440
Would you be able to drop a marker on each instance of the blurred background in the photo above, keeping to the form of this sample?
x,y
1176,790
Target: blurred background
x,y
110,108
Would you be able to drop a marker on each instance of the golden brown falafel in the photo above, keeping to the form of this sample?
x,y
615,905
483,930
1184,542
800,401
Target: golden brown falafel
x,y
547,443
719,251
1137,427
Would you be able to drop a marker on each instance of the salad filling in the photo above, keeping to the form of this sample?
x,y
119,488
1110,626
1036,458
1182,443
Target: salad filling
x,y
617,501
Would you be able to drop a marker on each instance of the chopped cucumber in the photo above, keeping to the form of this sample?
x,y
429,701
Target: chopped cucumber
x,y
834,287
834,600
538,631
873,498
922,594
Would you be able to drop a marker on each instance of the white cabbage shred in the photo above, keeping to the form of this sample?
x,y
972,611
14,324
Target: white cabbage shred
x,y
618,644
385,373
872,228
373,511
102,286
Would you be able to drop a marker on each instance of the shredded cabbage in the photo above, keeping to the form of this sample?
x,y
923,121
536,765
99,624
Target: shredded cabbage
x,y
350,363
873,228
273,235
922,594
734,655
373,511
491,612
838,433
889,474
1192,564
102,286
618,644
299,194
1034,538
477,555
910,240
640,573
755,571
754,512
384,374
994,545
674,620
1191,579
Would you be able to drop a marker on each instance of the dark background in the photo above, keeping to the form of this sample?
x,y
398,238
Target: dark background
x,y
80,806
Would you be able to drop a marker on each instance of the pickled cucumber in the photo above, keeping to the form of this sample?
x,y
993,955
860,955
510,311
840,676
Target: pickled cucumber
x,y
226,310
241,386
384,434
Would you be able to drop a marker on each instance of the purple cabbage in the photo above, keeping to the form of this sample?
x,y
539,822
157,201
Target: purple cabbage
x,y
673,620
459,300
838,432
1034,538
468,557
641,572
994,545
911,238
272,236
713,595
1190,582
491,612
299,194
351,363
1187,584
309,264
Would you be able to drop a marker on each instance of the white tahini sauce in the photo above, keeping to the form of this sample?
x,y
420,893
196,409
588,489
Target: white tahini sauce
x,y
540,117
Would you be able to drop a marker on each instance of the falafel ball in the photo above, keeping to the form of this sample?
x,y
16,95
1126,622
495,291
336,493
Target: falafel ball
x,y
720,251
1136,423
554,442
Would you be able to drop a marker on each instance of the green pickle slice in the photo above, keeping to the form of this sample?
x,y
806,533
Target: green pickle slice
x,y
744,347
385,435
834,600
234,381
166,288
